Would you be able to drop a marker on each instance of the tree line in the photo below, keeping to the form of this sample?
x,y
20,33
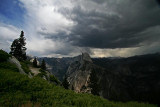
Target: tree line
x,y
42,66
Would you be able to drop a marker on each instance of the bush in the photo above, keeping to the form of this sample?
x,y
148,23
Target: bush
x,y
18,90
42,71
54,79
35,62
6,65
4,56
41,74
25,67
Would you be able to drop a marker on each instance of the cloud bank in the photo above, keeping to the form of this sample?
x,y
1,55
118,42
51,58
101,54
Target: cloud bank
x,y
102,28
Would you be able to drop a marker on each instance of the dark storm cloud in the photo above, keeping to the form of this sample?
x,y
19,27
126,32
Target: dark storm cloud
x,y
118,24
158,1
61,36
66,48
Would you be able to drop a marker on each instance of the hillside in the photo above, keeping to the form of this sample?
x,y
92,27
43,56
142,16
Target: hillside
x,y
119,79
19,90
136,78
59,66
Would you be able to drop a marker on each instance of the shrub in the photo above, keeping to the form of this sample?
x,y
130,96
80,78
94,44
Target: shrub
x,y
6,65
25,67
41,74
54,79
18,90
41,70
3,56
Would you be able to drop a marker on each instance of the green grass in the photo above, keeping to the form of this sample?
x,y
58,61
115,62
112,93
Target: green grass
x,y
8,66
54,79
25,66
4,56
19,90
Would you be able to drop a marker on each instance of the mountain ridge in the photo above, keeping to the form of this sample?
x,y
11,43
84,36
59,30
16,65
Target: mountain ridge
x,y
18,90
120,79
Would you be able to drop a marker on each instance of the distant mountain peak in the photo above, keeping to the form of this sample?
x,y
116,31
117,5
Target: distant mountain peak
x,y
86,57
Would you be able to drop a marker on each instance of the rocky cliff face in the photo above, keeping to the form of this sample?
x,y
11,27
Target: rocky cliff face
x,y
17,63
57,66
134,78
121,79
84,76
78,73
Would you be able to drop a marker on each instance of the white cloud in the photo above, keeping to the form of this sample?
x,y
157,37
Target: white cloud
x,y
44,14
41,19
119,52
7,34
126,52
43,46
45,19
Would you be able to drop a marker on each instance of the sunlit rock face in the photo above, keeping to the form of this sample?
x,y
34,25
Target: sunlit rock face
x,y
78,73
121,79
86,57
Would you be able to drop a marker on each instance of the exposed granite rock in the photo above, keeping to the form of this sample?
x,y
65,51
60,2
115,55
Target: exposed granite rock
x,y
135,78
78,74
119,79
17,63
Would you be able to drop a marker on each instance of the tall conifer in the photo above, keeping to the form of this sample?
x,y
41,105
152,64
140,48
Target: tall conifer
x,y
18,48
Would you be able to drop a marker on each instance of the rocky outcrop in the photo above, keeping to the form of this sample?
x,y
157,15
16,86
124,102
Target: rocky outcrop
x,y
57,66
78,74
119,79
17,63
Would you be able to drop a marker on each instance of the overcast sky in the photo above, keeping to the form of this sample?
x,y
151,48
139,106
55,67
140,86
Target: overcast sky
x,y
103,28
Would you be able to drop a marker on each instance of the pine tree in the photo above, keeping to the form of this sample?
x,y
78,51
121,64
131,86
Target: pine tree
x,y
35,62
18,48
95,87
43,65
65,83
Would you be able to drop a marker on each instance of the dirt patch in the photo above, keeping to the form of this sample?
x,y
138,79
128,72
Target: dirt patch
x,y
35,71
